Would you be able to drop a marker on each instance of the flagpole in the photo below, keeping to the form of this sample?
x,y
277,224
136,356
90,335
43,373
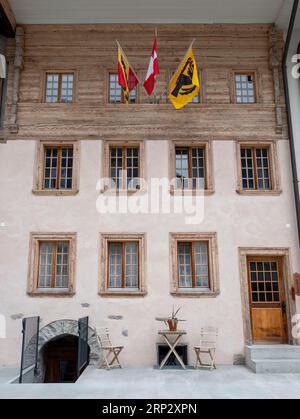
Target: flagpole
x,y
119,46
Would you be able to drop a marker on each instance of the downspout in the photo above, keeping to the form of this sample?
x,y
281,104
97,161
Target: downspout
x,y
289,112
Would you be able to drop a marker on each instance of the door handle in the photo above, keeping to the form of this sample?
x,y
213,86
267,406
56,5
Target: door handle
x,y
283,306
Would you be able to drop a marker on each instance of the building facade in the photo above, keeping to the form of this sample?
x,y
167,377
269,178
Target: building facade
x,y
65,128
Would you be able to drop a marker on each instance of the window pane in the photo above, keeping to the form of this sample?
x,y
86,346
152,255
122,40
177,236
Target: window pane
x,y
198,168
182,167
50,165
52,88
115,265
201,265
264,281
244,88
45,265
66,171
196,99
62,265
185,265
67,88
247,168
131,265
132,165
116,166
263,171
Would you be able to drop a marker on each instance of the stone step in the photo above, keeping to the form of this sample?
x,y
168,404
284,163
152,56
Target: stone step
x,y
275,366
276,359
268,352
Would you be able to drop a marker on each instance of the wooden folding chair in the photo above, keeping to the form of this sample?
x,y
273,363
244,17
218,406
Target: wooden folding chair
x,y
110,353
208,347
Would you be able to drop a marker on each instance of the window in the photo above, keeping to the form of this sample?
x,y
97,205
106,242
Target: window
x,y
258,168
52,259
116,92
194,264
53,265
122,264
57,171
255,168
244,88
264,280
59,87
58,168
190,167
123,166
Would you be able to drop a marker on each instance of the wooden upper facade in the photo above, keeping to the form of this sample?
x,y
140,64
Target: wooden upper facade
x,y
90,52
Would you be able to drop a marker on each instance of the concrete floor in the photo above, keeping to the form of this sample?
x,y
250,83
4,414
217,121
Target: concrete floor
x,y
226,382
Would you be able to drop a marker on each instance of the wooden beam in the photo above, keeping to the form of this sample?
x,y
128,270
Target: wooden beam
x,y
7,18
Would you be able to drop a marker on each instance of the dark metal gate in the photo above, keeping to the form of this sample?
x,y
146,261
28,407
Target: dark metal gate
x,y
29,357
83,346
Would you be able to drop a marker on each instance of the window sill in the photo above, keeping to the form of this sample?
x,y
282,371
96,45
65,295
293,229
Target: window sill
x,y
273,192
121,192
191,192
195,294
53,293
55,192
118,293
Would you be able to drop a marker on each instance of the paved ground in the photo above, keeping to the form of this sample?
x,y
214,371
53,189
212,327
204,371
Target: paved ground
x,y
225,382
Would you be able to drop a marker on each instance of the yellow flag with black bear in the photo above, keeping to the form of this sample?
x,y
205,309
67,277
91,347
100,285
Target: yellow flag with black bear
x,y
185,85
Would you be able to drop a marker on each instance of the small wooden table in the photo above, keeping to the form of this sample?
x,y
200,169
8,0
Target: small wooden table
x,y
172,343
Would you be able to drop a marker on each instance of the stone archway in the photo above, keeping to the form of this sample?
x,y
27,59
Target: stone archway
x,y
67,327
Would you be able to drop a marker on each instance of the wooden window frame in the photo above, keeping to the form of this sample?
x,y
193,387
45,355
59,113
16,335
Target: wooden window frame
x,y
213,269
33,267
105,240
275,181
38,186
60,74
257,85
124,164
288,283
107,145
123,244
192,244
43,85
207,146
107,93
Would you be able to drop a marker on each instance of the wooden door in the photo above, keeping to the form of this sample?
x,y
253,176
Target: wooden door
x,y
267,300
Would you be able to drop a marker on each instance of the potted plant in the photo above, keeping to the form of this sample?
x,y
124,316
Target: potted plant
x,y
173,320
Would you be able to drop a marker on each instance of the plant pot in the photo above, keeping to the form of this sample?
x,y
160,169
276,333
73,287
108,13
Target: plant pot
x,y
172,323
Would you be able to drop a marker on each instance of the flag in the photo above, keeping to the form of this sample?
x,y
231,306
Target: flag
x,y
185,85
126,75
153,71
